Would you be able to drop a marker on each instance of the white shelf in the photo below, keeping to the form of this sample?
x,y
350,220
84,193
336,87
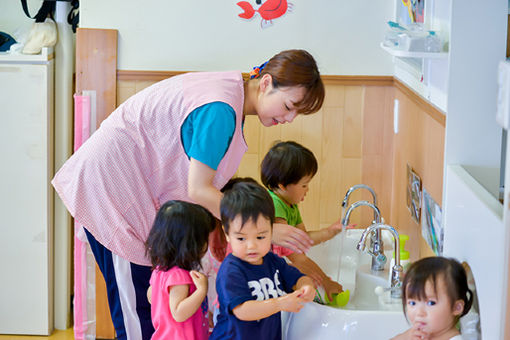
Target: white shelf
x,y
409,54
43,57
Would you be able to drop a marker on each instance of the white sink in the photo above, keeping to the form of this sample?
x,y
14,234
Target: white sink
x,y
365,316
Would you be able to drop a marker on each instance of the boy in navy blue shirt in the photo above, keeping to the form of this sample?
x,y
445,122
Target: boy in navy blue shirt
x,y
252,282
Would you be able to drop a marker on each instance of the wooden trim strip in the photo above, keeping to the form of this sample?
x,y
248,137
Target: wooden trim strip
x,y
358,80
328,79
437,114
146,75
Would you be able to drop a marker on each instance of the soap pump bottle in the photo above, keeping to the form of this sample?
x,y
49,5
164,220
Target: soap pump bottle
x,y
404,255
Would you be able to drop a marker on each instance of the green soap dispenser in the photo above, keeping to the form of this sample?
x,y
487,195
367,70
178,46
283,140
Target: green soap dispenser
x,y
404,254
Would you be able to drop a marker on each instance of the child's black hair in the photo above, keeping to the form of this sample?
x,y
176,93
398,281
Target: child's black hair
x,y
431,269
235,180
248,200
287,163
179,235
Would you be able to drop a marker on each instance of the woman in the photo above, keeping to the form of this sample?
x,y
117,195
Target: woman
x,y
178,139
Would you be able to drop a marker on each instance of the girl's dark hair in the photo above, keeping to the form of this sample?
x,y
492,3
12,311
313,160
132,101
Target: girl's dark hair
x,y
248,200
287,163
297,68
433,268
179,235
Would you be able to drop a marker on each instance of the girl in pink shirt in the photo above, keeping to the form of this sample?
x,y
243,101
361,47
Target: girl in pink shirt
x,y
177,292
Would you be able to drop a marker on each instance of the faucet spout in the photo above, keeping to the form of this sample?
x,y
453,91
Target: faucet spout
x,y
345,201
397,270
376,247
377,213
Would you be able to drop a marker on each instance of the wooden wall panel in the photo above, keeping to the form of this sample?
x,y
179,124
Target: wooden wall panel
x,y
377,167
419,143
352,124
332,187
96,67
312,126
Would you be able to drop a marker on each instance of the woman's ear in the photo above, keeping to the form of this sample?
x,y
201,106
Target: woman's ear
x,y
266,82
458,307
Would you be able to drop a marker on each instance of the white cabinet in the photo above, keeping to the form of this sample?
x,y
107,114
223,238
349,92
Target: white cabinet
x,y
26,199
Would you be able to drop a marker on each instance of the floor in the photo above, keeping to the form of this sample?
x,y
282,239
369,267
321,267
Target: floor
x,y
57,335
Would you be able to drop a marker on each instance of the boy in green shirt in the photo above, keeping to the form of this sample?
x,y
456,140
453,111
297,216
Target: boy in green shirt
x,y
286,171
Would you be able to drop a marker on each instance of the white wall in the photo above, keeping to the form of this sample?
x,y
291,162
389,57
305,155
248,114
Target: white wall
x,y
12,16
472,135
343,35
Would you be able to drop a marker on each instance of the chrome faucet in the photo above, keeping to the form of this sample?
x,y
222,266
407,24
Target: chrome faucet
x,y
397,273
345,202
376,244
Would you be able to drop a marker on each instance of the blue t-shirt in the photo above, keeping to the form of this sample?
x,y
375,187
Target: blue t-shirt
x,y
207,132
239,281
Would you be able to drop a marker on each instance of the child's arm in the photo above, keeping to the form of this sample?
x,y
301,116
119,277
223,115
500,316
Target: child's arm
x,y
308,267
317,236
255,310
183,306
306,287
149,294
323,235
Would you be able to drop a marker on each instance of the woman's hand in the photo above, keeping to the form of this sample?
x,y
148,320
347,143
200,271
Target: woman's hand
x,y
290,237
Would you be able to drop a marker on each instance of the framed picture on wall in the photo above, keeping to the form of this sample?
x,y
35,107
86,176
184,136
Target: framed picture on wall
x,y
431,228
413,194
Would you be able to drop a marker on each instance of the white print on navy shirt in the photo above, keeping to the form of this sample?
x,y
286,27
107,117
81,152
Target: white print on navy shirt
x,y
265,289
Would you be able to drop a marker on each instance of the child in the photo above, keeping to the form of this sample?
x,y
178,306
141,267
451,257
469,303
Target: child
x,y
286,171
252,281
435,296
176,243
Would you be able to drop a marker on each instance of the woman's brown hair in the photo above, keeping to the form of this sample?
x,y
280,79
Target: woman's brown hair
x,y
297,68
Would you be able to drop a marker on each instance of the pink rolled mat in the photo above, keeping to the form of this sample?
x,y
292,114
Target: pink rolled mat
x,y
84,324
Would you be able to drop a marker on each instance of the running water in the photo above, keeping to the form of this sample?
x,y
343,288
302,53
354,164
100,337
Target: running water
x,y
340,252
341,246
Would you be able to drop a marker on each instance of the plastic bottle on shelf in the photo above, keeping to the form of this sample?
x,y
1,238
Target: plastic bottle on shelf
x,y
404,255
